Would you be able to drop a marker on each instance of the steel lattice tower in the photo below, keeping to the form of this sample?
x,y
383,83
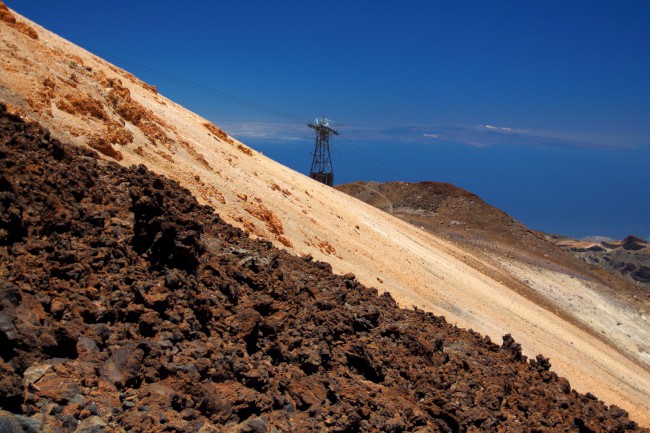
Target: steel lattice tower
x,y
321,164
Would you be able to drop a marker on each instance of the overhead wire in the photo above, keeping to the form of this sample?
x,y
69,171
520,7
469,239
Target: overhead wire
x,y
370,159
353,147
206,89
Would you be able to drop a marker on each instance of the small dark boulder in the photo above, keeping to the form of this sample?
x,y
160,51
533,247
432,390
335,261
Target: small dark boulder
x,y
633,243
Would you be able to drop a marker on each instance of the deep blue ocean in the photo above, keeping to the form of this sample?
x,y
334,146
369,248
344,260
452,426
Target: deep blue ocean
x,y
572,191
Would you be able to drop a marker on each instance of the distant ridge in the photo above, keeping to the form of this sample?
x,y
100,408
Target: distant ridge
x,y
597,239
465,218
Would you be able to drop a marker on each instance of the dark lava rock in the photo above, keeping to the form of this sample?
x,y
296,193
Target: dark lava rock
x,y
642,274
115,316
634,243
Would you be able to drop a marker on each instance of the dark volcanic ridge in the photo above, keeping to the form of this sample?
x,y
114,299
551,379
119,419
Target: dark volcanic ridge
x,y
459,216
442,208
127,306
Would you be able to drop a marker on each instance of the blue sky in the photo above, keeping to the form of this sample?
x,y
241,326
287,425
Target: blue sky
x,y
563,86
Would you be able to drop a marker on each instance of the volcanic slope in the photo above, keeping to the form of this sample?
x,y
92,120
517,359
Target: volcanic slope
x,y
127,305
86,101
506,247
466,219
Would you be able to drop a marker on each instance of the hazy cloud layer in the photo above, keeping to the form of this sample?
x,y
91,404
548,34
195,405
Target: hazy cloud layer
x,y
477,136
482,136
267,131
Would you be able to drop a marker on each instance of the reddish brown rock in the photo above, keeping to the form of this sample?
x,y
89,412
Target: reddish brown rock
x,y
115,316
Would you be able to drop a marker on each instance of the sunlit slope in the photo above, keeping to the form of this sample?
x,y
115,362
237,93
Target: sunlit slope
x,y
85,100
599,301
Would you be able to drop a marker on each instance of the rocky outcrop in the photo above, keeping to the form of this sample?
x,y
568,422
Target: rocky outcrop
x,y
642,274
634,243
127,306
629,258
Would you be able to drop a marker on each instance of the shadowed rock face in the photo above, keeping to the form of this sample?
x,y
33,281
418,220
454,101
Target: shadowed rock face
x,y
125,304
633,243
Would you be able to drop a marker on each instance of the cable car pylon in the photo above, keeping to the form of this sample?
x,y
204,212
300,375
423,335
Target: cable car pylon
x,y
321,164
